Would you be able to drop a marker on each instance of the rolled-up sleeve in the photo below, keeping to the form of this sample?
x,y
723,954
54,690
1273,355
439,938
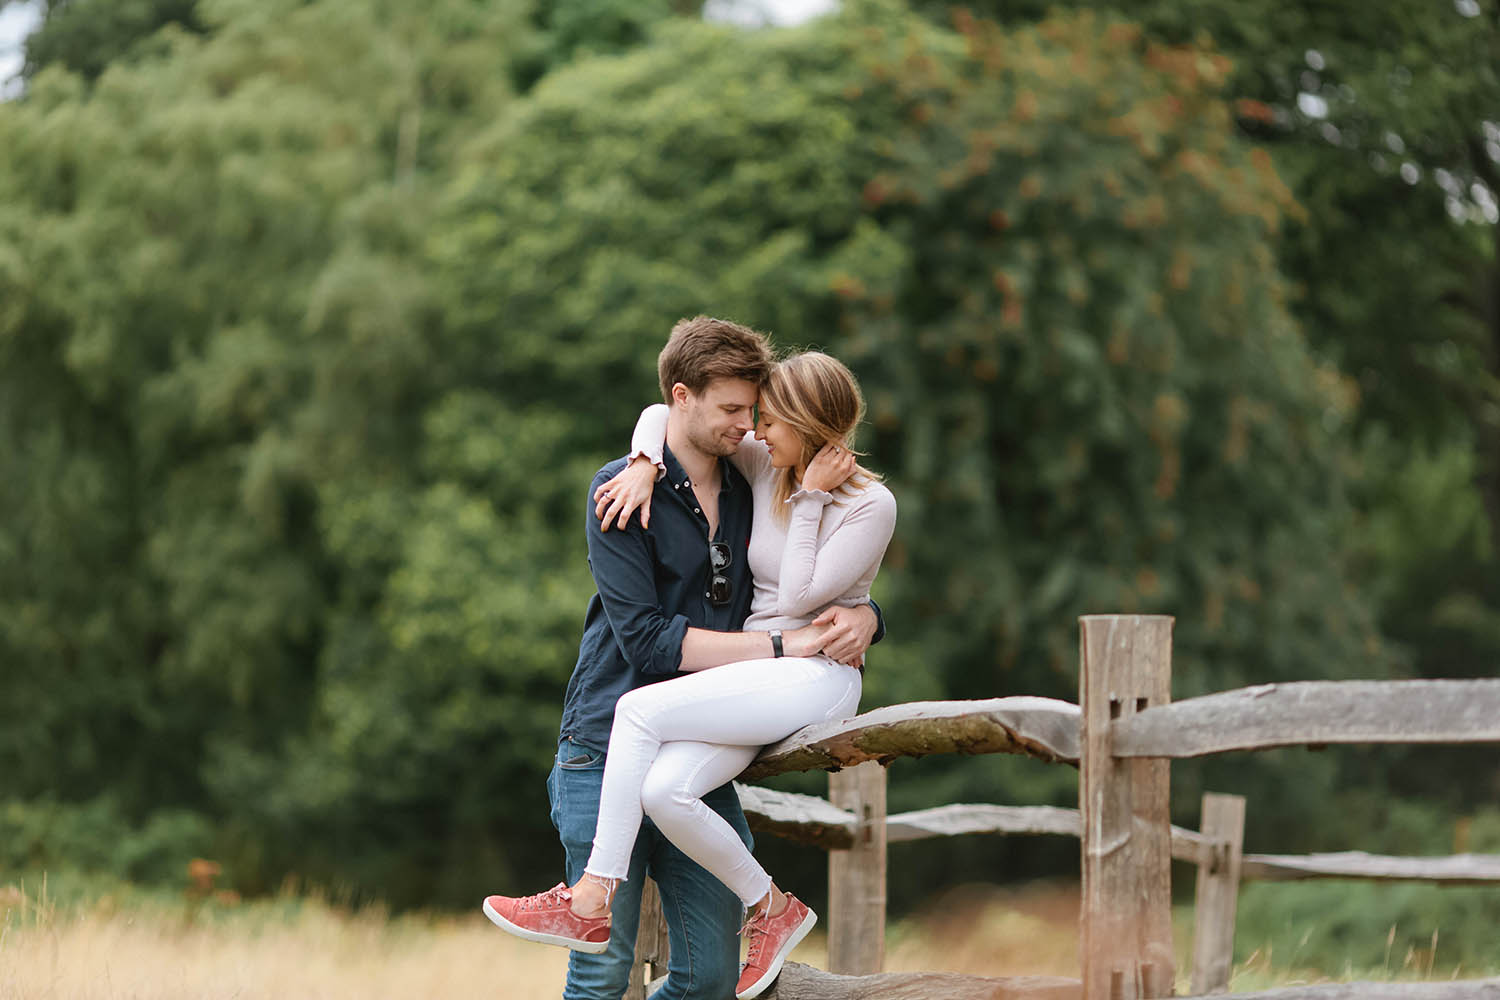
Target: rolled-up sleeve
x,y
624,571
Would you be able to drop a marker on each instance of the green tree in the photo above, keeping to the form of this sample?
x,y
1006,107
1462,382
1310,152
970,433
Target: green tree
x,y
86,36
1047,255
219,350
1383,123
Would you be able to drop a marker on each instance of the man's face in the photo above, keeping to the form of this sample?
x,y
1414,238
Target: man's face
x,y
719,416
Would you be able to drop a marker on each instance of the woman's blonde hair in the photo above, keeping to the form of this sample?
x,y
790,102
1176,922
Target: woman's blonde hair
x,y
818,398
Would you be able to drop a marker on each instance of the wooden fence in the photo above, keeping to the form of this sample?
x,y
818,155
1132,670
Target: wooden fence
x,y
1123,735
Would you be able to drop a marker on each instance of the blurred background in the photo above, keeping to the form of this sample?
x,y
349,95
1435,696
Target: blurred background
x,y
317,316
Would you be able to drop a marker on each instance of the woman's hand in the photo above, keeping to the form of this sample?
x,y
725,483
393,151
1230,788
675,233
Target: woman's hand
x,y
830,467
630,490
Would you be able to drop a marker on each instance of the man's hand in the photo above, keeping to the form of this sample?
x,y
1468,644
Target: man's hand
x,y
849,633
841,634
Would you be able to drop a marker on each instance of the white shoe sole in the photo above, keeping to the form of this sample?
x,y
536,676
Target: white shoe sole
x,y
760,985
591,947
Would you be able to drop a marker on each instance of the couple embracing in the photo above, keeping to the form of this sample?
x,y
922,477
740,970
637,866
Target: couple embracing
x,y
733,550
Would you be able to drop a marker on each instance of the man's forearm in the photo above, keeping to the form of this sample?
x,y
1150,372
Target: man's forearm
x,y
703,648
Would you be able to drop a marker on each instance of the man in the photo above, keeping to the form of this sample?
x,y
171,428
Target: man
x,y
663,607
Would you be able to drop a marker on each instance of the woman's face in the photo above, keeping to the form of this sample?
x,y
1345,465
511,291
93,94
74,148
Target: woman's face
x,y
783,443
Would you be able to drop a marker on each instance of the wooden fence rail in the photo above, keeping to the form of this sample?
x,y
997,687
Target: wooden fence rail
x,y
1122,736
808,819
800,982
1045,728
1316,713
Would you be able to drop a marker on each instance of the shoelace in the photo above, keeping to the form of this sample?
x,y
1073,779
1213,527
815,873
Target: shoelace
x,y
549,899
755,932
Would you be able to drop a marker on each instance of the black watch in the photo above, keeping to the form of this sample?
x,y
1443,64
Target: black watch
x,y
776,648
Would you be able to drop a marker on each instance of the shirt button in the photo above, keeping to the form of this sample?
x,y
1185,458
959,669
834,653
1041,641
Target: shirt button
x,y
697,511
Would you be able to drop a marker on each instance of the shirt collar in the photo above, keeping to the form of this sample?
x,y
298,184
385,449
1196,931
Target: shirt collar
x,y
679,478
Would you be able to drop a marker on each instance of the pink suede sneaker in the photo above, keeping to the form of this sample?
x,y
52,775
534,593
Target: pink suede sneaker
x,y
771,941
545,917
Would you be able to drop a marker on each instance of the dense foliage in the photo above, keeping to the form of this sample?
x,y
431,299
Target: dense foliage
x,y
316,318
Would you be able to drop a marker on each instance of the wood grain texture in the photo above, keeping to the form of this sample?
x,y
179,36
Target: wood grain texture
x,y
801,982
1457,869
808,819
857,876
1037,727
651,948
1126,924
1463,989
1315,713
1217,893
957,820
811,820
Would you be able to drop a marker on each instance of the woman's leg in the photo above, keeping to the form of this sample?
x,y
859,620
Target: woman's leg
x,y
746,704
672,795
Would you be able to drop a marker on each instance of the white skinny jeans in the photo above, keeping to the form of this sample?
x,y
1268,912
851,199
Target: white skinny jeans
x,y
677,740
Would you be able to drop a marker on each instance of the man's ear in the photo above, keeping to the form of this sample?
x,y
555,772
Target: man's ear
x,y
680,394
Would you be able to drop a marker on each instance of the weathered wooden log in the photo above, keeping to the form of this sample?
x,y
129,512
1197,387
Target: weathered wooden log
x,y
1315,713
651,944
802,982
956,820
1126,927
1217,892
1457,869
811,820
1462,989
1038,727
856,876
808,819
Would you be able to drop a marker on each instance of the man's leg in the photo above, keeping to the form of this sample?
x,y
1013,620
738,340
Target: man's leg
x,y
703,916
574,790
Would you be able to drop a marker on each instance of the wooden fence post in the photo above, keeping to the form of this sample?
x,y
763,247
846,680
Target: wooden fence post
x,y
1126,924
1223,822
856,877
650,944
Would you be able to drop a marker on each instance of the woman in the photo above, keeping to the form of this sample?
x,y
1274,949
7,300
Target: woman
x,y
821,526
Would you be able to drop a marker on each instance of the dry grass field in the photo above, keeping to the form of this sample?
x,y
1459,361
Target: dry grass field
x,y
306,948
303,947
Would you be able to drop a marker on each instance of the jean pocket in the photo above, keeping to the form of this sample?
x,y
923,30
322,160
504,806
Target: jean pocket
x,y
577,757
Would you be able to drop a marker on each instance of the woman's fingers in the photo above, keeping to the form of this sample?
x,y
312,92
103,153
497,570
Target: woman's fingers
x,y
830,467
616,508
627,492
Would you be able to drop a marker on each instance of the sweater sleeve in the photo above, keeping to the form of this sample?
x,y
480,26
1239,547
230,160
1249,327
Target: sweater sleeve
x,y
650,438
812,577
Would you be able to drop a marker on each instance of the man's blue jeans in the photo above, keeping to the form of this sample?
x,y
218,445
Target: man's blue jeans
x,y
703,917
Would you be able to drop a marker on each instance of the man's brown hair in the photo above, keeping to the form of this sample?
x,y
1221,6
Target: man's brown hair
x,y
702,349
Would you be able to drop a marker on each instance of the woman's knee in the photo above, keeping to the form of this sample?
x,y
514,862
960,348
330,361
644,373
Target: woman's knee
x,y
633,709
663,794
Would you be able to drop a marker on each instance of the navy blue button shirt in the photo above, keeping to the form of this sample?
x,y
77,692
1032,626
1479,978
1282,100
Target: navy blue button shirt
x,y
652,588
